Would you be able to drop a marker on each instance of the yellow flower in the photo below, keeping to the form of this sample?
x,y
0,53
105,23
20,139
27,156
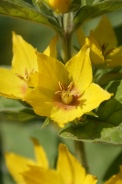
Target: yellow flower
x,y
60,6
68,170
17,164
66,92
103,44
14,82
116,179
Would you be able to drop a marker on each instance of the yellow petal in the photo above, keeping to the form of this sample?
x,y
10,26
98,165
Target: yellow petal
x,y
70,169
33,80
80,69
41,100
116,179
93,96
51,50
90,179
51,72
96,55
38,175
115,57
104,33
40,154
63,116
11,86
24,60
16,165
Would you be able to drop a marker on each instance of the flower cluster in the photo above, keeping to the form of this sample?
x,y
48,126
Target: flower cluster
x,y
60,92
68,169
65,87
27,171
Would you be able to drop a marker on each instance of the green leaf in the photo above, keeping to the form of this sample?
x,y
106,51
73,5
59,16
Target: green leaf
x,y
96,9
21,9
94,131
18,114
107,127
13,110
46,122
114,167
87,2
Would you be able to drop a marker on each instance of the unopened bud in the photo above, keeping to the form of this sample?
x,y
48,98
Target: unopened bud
x,y
60,6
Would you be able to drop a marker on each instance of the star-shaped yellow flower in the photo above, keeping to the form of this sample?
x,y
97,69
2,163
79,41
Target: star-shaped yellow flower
x,y
17,164
14,82
66,92
103,44
69,170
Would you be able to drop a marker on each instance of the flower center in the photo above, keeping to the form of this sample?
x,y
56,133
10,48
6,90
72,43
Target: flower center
x,y
67,95
105,51
26,75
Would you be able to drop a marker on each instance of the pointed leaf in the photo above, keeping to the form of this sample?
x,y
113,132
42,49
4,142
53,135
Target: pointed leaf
x,y
21,9
18,114
96,9
94,131
46,122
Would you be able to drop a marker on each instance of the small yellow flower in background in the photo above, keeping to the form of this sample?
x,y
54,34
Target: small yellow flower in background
x,y
66,92
116,179
103,44
68,170
60,6
17,164
14,82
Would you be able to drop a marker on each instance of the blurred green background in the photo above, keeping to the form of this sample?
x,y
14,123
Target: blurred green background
x,y
15,135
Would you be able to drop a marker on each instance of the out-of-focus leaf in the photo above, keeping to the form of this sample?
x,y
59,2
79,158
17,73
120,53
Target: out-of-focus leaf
x,y
18,114
40,5
114,167
107,127
21,9
87,2
96,9
46,122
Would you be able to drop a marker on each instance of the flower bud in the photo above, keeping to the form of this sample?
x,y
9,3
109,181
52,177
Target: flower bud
x,y
60,6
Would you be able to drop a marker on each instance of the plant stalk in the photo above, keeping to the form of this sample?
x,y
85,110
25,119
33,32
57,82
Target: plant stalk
x,y
80,154
66,36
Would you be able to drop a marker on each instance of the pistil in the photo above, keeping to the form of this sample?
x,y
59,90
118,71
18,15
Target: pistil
x,y
67,94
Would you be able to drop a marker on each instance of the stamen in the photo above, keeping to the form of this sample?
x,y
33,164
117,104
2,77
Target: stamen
x,y
61,86
67,95
70,86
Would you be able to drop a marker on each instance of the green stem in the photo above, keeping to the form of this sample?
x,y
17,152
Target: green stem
x,y
67,25
80,153
66,47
